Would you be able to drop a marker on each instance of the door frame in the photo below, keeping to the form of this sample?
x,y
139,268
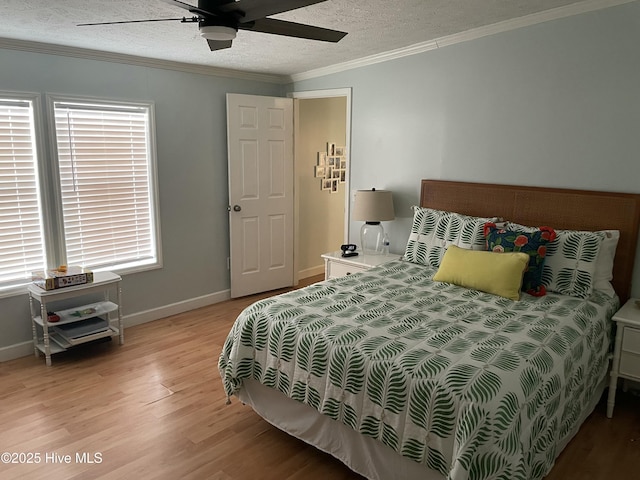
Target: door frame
x,y
304,95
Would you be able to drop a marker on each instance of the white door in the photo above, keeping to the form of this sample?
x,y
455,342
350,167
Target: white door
x,y
260,153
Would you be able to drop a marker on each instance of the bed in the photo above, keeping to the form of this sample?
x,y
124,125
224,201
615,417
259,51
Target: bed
x,y
402,376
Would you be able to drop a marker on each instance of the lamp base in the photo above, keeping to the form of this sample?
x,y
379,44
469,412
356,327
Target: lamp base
x,y
371,235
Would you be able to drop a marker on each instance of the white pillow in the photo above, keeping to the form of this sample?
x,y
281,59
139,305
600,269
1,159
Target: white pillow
x,y
570,264
433,231
604,264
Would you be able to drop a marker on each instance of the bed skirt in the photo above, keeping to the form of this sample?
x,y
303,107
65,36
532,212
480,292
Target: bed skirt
x,y
364,455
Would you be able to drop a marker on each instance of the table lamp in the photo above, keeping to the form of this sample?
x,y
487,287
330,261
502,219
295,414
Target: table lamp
x,y
372,206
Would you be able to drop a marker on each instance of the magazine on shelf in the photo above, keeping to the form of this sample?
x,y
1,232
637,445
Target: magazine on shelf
x,y
90,326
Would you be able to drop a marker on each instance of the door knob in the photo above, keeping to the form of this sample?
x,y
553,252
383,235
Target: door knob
x,y
237,208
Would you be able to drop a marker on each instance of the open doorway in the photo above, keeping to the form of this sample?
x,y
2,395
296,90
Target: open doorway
x,y
321,220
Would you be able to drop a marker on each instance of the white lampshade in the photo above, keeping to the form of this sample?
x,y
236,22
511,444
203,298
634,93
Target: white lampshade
x,y
218,32
373,206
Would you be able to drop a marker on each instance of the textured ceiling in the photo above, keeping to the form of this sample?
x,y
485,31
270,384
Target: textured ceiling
x,y
373,26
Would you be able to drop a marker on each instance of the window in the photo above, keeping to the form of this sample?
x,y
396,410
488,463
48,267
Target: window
x,y
91,201
105,171
21,241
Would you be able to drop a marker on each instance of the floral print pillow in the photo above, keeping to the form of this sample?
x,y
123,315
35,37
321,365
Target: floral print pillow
x,y
533,244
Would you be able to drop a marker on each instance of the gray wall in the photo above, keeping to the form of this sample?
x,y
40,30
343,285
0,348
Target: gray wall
x,y
192,170
555,104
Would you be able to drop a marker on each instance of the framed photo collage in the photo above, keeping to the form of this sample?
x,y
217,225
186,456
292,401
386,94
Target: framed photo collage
x,y
331,168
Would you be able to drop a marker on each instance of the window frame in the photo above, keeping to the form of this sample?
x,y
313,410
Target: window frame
x,y
60,254
48,177
35,101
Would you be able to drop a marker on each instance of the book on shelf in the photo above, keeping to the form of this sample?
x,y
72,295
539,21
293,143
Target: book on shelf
x,y
53,279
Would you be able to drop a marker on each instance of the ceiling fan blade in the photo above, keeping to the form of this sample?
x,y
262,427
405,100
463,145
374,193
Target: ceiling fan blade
x,y
191,8
181,19
291,29
256,9
219,44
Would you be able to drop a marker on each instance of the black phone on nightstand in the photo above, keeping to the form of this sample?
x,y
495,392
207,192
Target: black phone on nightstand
x,y
349,250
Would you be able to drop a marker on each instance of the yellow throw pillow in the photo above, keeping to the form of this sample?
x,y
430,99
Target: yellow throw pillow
x,y
491,272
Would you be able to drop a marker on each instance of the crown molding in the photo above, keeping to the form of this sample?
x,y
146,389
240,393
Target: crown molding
x,y
473,34
85,53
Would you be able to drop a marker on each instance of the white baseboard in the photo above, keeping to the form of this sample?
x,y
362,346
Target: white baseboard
x,y
26,348
16,351
311,272
175,308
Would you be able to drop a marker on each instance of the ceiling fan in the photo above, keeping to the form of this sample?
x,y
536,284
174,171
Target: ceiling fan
x,y
220,20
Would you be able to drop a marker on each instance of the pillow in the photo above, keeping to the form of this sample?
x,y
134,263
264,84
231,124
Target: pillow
x,y
497,273
571,261
534,244
433,231
604,264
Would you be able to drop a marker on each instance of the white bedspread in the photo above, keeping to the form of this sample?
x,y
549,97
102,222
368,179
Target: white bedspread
x,y
472,385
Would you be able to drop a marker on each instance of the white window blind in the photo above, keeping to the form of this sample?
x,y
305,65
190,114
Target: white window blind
x,y
104,167
21,240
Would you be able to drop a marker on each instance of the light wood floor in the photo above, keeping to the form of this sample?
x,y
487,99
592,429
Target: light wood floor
x,y
154,408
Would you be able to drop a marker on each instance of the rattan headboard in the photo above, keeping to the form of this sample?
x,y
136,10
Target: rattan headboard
x,y
555,207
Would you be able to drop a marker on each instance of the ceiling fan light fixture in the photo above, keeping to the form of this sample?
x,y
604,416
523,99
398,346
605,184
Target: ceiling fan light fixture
x,y
218,32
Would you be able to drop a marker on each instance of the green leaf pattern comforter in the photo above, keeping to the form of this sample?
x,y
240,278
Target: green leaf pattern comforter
x,y
472,385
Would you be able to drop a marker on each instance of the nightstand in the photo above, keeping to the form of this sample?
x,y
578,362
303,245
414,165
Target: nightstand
x,y
335,265
626,353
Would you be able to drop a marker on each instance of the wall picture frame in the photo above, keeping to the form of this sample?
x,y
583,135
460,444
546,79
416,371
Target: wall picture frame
x,y
331,167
